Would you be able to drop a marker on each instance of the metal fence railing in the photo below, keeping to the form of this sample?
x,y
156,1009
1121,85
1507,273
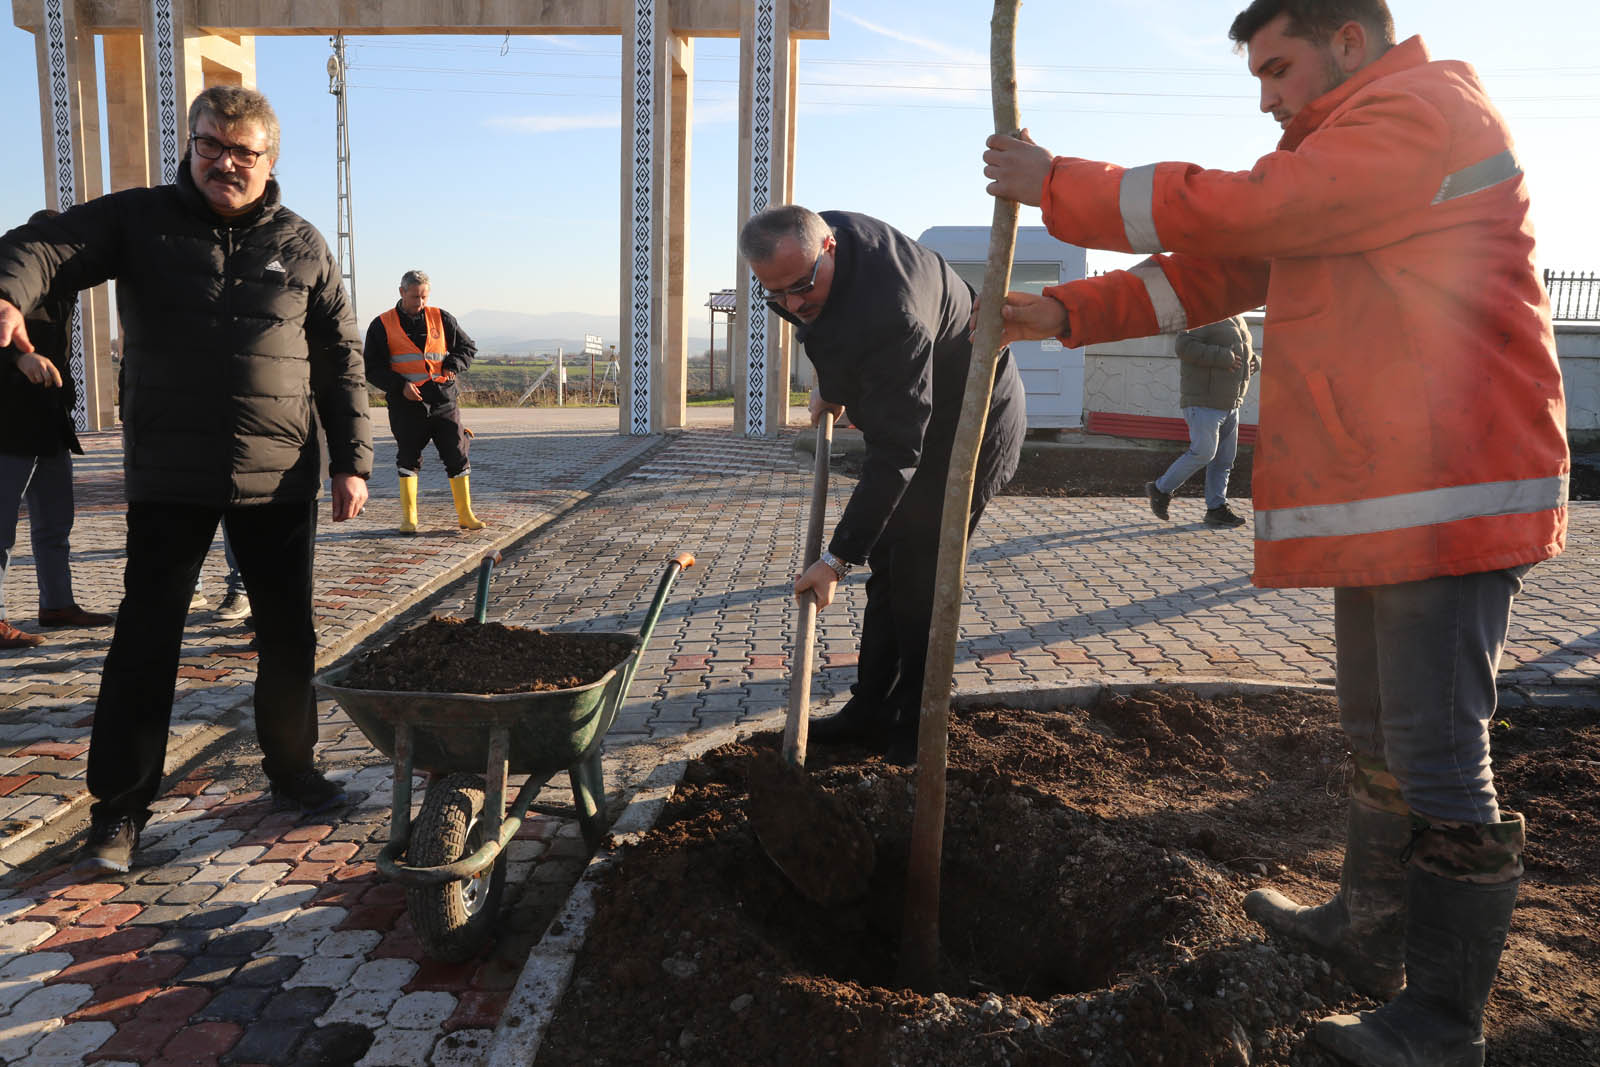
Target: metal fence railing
x,y
1574,295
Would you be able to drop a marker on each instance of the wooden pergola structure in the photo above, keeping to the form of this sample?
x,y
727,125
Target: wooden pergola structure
x,y
160,53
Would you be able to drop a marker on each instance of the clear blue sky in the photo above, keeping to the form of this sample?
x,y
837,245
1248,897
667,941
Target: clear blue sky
x,y
498,173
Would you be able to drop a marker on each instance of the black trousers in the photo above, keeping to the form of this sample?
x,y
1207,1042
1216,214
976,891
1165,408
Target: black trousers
x,y
167,543
899,611
413,428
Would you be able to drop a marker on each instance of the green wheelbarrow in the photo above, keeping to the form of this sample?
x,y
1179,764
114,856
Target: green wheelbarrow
x,y
451,858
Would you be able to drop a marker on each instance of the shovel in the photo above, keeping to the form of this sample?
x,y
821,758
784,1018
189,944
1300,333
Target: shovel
x,y
817,841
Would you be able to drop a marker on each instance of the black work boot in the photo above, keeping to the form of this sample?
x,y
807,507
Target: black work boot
x,y
1456,928
1158,499
1361,930
109,847
858,721
901,749
307,791
1223,517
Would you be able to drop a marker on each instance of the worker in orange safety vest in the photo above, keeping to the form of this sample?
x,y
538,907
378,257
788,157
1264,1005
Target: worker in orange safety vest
x,y
1412,455
413,353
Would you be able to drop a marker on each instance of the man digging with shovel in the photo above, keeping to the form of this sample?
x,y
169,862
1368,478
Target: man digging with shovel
x,y
885,322
1413,455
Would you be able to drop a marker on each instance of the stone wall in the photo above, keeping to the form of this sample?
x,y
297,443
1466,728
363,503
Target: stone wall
x,y
1578,345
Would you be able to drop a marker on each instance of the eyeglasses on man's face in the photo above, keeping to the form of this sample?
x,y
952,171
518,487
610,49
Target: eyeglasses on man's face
x,y
777,295
211,148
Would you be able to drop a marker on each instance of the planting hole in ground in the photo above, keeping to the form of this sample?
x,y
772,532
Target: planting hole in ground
x,y
1094,863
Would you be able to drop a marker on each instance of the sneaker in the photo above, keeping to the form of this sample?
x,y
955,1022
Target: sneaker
x,y
11,637
1222,516
1158,499
197,601
73,616
309,791
109,847
236,605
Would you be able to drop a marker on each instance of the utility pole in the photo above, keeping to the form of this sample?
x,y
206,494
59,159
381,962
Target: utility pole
x,y
346,217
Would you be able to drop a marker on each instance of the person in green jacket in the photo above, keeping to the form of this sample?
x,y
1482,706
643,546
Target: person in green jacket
x,y
1217,363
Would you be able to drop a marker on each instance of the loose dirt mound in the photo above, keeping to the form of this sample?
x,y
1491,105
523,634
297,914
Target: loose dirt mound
x,y
451,655
1094,864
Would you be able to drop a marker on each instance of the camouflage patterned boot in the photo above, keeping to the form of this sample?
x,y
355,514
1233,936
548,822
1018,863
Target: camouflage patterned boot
x,y
1361,930
1460,892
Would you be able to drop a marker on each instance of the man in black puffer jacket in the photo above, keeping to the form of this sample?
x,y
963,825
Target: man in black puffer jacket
x,y
238,340
886,323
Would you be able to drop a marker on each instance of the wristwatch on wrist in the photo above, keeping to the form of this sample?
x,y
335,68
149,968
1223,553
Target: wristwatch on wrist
x,y
839,566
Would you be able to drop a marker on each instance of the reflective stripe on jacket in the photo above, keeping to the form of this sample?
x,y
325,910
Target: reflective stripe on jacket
x,y
406,359
1412,417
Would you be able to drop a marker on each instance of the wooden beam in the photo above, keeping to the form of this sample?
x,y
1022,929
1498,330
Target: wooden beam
x,y
271,18
674,387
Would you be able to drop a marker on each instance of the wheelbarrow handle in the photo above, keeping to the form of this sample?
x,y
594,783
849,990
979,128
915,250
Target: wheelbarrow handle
x,y
485,569
675,566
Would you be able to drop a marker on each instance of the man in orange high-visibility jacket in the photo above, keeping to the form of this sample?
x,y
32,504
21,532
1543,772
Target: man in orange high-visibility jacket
x,y
1412,454
414,352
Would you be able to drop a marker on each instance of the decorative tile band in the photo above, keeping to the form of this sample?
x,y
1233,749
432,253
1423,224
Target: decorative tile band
x,y
166,49
66,190
642,219
763,88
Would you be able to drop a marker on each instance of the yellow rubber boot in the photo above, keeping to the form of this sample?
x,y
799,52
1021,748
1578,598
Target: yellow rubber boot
x,y
408,505
463,495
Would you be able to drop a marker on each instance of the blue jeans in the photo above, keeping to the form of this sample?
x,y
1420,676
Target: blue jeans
x,y
234,583
1213,444
45,482
1416,682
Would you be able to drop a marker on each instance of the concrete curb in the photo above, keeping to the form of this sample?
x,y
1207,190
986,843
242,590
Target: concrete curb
x,y
548,972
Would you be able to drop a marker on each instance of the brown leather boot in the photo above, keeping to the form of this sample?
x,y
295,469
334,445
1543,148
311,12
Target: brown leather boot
x,y
73,616
11,637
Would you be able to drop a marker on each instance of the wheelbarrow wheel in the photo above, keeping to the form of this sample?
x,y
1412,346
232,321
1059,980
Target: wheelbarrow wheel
x,y
453,921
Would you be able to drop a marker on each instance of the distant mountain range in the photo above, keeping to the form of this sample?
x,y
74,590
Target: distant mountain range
x,y
519,333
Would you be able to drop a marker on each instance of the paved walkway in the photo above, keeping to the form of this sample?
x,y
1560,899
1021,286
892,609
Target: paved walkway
x,y
249,937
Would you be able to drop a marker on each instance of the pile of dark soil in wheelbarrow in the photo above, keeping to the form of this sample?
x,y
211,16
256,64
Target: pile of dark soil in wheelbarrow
x,y
451,655
1094,864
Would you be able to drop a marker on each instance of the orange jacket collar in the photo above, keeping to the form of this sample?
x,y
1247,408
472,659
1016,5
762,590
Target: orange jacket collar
x,y
1409,53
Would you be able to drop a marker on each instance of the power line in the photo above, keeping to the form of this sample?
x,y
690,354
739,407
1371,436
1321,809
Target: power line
x,y
805,84
924,64
873,104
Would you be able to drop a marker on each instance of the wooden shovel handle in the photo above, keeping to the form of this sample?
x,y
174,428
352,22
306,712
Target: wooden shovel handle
x,y
805,628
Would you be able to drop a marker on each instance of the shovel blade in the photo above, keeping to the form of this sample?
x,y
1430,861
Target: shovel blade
x,y
813,837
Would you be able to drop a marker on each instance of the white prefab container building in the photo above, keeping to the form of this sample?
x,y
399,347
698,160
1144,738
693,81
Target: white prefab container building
x,y
1051,374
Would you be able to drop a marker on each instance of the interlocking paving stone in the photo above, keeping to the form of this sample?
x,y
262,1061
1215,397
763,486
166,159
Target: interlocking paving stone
x,y
267,971
236,1004
422,1011
331,972
71,1043
211,970
271,1041
384,974
364,1007
298,1004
